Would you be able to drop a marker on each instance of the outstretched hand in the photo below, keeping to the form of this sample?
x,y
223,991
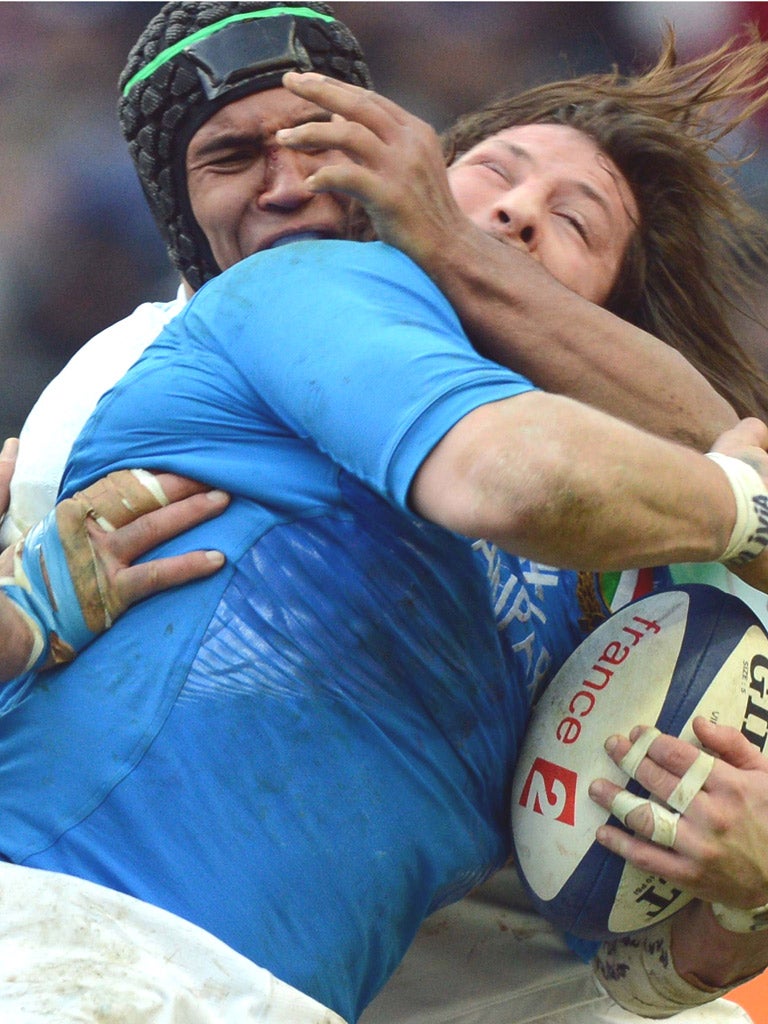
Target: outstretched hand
x,y
719,849
397,170
138,531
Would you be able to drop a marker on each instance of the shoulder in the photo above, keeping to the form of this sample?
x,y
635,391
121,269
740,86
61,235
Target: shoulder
x,y
328,284
323,264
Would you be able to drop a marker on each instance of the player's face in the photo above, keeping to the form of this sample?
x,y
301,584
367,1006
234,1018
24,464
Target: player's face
x,y
248,193
550,190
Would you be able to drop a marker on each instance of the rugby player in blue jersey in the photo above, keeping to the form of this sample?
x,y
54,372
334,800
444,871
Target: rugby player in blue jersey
x,y
310,705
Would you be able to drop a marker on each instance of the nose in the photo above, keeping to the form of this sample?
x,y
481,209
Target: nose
x,y
284,175
517,215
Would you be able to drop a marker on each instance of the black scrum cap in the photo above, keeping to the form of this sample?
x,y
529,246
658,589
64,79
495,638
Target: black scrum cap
x,y
191,60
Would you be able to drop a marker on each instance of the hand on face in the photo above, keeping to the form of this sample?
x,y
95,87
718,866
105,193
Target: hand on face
x,y
395,168
246,192
555,196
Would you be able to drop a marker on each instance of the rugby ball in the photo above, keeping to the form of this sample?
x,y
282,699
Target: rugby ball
x,y
661,661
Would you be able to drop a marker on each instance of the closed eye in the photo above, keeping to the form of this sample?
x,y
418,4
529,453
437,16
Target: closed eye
x,y
232,157
496,169
578,224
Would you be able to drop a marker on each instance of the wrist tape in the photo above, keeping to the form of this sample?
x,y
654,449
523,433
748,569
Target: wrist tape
x,y
750,531
637,971
58,583
42,588
733,919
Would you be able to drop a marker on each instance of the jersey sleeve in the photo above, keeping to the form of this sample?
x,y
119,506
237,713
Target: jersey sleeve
x,y
354,348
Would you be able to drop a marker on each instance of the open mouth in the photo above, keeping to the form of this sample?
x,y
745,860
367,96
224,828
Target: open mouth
x,y
300,236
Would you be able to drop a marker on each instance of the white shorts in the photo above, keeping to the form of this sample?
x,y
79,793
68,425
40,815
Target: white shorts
x,y
72,952
75,953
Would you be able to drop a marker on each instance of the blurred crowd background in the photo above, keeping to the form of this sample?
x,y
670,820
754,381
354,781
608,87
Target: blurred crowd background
x,y
78,248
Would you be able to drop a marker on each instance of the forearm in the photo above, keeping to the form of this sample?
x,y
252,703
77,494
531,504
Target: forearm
x,y
654,974
707,955
518,315
514,311
564,484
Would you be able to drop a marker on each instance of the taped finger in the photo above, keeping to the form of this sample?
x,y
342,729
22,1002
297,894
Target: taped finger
x,y
691,782
121,497
639,749
664,821
118,499
624,803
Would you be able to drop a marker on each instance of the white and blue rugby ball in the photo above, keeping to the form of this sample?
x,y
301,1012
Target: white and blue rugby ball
x,y
662,660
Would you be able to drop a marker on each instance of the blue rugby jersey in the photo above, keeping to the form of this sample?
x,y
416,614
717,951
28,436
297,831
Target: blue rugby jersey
x,y
308,752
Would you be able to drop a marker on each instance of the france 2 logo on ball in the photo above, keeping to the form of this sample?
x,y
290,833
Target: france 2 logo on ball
x,y
659,661
550,790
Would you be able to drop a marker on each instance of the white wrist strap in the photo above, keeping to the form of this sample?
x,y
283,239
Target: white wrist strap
x,y
734,919
750,531
639,973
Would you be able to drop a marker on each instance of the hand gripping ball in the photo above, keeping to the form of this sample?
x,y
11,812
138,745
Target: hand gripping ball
x,y
662,660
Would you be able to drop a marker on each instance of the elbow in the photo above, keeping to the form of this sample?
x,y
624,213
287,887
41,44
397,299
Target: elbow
x,y
492,475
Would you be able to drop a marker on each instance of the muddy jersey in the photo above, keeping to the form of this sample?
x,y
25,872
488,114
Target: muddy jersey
x,y
310,751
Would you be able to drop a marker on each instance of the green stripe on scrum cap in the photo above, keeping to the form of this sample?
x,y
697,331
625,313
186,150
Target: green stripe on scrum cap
x,y
203,33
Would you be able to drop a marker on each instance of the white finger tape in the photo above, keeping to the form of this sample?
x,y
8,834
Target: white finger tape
x,y
664,821
664,825
639,749
691,782
624,803
152,484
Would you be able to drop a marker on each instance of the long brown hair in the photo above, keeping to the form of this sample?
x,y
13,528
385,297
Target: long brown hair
x,y
700,248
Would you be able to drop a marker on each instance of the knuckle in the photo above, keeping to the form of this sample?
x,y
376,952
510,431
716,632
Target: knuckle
x,y
644,856
654,776
720,819
361,101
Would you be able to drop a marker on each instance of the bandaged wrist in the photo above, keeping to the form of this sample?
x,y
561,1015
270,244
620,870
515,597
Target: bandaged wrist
x,y
638,972
42,589
59,583
734,919
750,531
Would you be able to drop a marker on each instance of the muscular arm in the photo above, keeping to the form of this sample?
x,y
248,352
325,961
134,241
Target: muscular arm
x,y
518,315
556,481
513,310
